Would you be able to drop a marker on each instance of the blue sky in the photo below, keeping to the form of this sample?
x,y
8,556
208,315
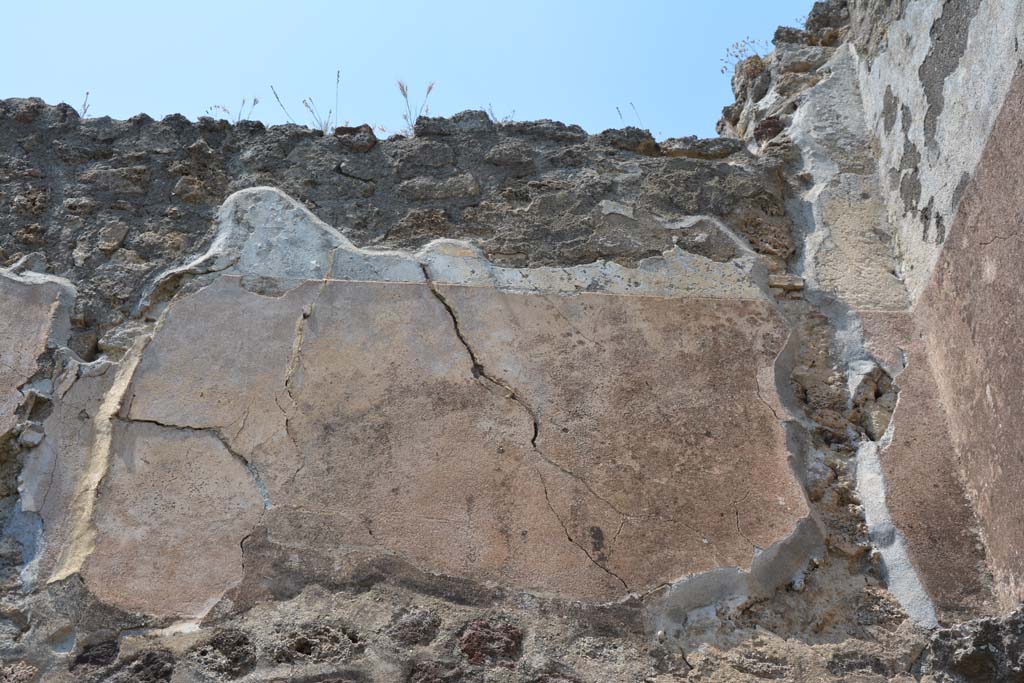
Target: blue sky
x,y
570,60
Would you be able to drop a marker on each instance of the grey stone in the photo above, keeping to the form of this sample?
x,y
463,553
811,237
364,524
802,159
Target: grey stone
x,y
702,148
791,59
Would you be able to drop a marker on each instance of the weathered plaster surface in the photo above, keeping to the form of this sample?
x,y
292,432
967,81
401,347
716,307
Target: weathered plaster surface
x,y
53,469
545,430
931,95
173,508
616,410
846,252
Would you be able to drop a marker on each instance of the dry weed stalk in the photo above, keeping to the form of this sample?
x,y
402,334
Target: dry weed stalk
x,y
323,123
741,50
234,117
409,116
507,118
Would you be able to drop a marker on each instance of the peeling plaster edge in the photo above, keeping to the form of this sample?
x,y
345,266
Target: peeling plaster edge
x,y
27,524
82,537
898,571
264,234
781,563
805,209
785,561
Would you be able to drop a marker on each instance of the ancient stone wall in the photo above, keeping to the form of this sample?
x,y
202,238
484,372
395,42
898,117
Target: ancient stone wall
x,y
513,402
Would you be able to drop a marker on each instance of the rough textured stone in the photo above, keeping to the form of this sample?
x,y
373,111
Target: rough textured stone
x,y
526,192
701,148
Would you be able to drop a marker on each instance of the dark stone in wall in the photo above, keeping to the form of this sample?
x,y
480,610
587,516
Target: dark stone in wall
x,y
949,41
889,103
989,649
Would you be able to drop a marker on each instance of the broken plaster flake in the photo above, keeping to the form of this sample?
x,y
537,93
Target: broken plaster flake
x,y
608,206
676,273
35,477
265,234
51,472
900,574
26,529
692,598
856,372
35,310
31,436
42,388
82,537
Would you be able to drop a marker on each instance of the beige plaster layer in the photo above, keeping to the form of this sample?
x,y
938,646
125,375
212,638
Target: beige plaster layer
x,y
52,471
373,430
173,508
591,433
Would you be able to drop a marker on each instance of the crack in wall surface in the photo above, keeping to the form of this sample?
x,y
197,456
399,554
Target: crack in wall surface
x,y
999,238
757,391
547,499
295,361
216,433
479,371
